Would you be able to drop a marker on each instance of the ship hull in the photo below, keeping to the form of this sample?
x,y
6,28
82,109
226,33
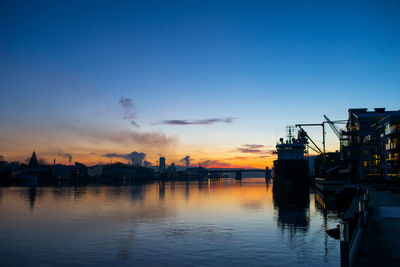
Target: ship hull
x,y
291,170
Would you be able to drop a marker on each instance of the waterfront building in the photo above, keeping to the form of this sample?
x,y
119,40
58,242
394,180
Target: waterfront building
x,y
364,150
387,141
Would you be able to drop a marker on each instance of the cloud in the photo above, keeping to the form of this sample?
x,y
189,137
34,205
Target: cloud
x,y
253,149
198,122
116,155
252,157
266,156
253,146
248,150
241,158
129,110
101,135
135,157
79,138
143,138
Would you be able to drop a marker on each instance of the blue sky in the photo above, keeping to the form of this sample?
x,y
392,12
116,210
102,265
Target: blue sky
x,y
267,64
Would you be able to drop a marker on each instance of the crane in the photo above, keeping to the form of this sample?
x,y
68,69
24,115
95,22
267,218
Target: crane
x,y
335,129
333,126
302,131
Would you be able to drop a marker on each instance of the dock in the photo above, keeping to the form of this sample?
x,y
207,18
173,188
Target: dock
x,y
379,244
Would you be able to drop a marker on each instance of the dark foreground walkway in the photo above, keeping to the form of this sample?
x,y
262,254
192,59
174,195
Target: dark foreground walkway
x,y
380,244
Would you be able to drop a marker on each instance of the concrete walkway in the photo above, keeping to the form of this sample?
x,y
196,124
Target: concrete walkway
x,y
380,243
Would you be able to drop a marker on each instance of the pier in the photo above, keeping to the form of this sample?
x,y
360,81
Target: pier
x,y
370,229
379,244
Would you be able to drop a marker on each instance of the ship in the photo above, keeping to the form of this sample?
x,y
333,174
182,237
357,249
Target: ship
x,y
291,165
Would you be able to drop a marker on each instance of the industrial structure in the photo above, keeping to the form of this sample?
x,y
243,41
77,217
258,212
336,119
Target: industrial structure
x,y
369,146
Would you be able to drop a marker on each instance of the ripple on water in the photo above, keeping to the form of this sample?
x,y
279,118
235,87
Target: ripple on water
x,y
180,223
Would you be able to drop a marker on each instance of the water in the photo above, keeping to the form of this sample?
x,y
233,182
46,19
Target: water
x,y
213,223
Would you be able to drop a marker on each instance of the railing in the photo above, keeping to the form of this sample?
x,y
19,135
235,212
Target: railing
x,y
351,229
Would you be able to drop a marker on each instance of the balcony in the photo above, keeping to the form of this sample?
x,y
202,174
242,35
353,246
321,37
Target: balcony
x,y
391,130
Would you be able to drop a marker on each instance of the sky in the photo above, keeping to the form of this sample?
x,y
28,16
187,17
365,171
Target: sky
x,y
217,81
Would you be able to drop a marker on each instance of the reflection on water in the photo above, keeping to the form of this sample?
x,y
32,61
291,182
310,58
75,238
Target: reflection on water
x,y
212,222
292,202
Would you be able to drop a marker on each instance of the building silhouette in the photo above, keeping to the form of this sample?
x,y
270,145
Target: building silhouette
x,y
162,164
370,144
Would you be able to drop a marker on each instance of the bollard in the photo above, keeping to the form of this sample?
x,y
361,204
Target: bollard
x,y
344,244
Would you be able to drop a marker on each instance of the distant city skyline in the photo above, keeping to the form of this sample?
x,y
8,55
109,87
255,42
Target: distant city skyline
x,y
217,81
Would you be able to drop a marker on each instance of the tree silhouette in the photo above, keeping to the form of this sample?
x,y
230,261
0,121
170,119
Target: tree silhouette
x,y
33,162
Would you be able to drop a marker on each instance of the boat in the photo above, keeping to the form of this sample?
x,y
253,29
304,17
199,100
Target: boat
x,y
291,165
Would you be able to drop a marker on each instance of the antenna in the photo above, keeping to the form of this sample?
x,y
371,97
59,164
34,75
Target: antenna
x,y
289,133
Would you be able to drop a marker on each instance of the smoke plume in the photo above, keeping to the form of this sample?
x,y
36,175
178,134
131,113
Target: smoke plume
x,y
213,163
186,160
129,110
65,155
135,157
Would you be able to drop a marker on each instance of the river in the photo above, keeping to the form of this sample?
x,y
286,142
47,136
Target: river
x,y
209,223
